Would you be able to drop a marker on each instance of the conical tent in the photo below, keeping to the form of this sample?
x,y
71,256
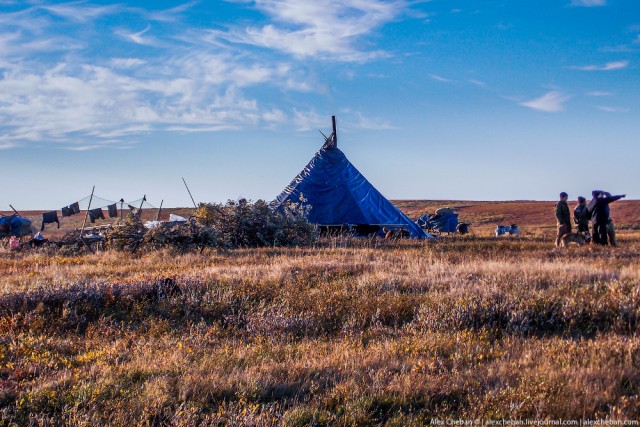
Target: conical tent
x,y
339,194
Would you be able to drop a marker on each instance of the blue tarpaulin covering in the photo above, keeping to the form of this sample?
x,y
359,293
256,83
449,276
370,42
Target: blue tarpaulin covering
x,y
443,223
15,226
339,194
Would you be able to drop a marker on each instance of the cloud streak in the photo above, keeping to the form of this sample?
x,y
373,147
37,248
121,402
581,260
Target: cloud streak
x,y
609,66
550,102
609,109
79,11
441,79
588,3
599,93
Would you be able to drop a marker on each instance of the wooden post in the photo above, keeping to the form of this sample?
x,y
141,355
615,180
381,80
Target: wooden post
x,y
159,210
121,211
144,199
194,202
84,223
335,131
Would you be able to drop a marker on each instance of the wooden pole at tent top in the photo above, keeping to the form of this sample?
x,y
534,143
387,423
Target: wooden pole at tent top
x,y
14,209
335,132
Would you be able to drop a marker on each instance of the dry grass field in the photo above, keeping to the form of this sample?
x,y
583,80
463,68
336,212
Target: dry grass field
x,y
348,332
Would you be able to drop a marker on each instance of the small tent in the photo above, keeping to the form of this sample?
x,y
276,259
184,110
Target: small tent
x,y
15,225
339,195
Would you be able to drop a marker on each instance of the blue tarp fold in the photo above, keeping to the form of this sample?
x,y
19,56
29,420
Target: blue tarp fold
x,y
443,223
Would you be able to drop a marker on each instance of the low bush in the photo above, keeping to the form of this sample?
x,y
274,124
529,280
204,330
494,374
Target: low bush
x,y
245,224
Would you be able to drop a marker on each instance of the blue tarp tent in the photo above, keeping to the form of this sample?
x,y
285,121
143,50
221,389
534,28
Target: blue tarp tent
x,y
340,195
15,225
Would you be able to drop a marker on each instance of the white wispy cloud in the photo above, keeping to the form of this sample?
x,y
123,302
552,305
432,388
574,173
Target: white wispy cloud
x,y
27,20
610,109
137,37
169,15
15,44
126,62
440,78
80,11
274,116
599,93
7,145
308,120
588,3
609,66
372,123
550,102
69,102
309,28
477,83
58,87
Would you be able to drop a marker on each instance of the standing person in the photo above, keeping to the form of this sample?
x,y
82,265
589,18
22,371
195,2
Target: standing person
x,y
581,217
601,215
563,217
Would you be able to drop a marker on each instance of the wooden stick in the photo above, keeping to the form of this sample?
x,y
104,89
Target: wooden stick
x,y
144,199
159,210
14,209
84,223
194,202
335,131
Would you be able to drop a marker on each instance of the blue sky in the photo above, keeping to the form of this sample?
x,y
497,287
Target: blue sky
x,y
441,99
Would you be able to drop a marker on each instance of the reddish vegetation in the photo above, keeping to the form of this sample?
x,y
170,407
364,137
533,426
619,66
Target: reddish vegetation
x,y
524,213
626,213
342,332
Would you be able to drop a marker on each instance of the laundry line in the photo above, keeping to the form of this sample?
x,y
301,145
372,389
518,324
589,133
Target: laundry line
x,y
95,209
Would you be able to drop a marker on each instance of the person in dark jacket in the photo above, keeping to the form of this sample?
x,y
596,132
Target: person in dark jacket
x,y
601,215
563,217
581,216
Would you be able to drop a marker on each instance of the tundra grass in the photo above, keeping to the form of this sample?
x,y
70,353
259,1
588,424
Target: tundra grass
x,y
344,333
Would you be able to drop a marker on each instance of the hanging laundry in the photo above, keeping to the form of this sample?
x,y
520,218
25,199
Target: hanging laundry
x,y
49,218
67,211
113,210
75,207
96,214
